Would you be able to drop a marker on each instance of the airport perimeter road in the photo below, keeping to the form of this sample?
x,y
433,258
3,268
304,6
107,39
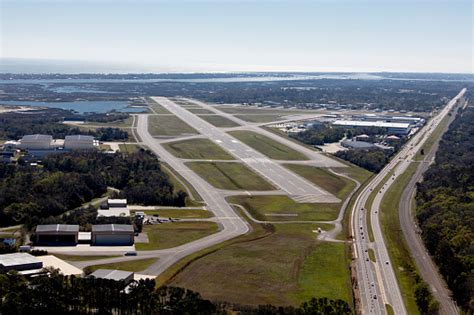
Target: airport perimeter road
x,y
295,186
232,225
317,159
427,268
376,281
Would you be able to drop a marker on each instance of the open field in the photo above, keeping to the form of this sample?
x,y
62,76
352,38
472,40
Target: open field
x,y
168,126
338,186
179,183
277,264
197,149
244,110
156,108
400,256
259,118
168,235
82,258
355,172
232,176
269,147
198,111
219,121
118,123
128,147
271,208
181,214
132,265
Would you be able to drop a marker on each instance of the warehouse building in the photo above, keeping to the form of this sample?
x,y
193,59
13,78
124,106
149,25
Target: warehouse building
x,y
19,262
36,142
113,234
79,142
391,128
116,275
57,234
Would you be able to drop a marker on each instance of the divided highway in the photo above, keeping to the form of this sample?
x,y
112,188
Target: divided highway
x,y
376,281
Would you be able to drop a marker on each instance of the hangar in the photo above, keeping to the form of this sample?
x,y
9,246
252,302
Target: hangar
x,y
78,142
113,234
57,234
36,142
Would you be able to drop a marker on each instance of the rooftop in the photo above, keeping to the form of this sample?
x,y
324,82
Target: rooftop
x,y
79,138
114,212
37,137
117,201
360,123
16,259
112,227
57,228
108,274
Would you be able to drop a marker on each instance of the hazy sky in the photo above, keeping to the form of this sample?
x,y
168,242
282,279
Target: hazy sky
x,y
431,36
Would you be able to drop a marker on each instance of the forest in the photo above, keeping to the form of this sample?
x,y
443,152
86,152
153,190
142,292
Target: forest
x,y
445,208
14,125
58,294
373,160
66,181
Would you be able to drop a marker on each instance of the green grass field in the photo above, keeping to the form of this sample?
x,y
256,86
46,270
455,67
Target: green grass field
x,y
168,126
269,147
279,265
168,235
263,118
132,265
219,121
117,124
128,147
355,172
182,214
336,185
197,149
156,108
179,183
265,207
247,110
233,176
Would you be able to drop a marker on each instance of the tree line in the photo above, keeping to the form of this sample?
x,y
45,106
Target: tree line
x,y
59,294
14,125
445,208
66,181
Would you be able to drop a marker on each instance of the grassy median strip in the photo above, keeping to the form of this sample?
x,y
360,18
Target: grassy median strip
x,y
198,111
336,185
282,208
131,265
232,176
197,149
168,126
371,254
219,121
156,108
168,235
400,256
271,148
179,183
259,118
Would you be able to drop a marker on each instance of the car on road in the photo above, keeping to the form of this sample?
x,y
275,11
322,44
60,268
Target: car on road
x,y
133,253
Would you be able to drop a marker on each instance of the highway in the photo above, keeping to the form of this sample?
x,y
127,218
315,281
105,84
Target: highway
x,y
295,186
376,281
426,266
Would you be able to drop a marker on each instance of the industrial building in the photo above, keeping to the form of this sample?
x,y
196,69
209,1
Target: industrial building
x,y
19,262
36,142
112,234
114,208
57,234
116,275
392,128
79,142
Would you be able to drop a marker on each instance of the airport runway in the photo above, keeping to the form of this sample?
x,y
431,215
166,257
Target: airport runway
x,y
295,186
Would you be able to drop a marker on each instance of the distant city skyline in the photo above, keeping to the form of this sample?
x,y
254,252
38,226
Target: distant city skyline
x,y
233,36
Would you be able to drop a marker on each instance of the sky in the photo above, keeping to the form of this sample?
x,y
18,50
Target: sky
x,y
195,35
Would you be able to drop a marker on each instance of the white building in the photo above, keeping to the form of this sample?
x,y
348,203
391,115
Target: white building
x,y
80,142
392,128
36,142
113,234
